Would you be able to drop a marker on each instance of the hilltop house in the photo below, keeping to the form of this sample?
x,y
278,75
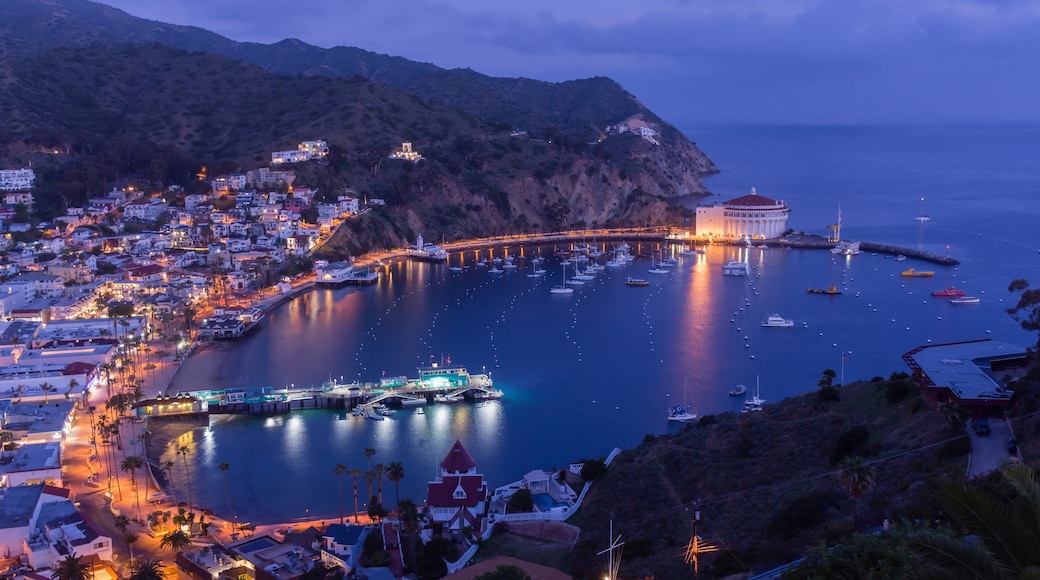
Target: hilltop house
x,y
457,499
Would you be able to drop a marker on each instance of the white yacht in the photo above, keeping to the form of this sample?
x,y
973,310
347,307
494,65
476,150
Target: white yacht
x,y
777,321
735,268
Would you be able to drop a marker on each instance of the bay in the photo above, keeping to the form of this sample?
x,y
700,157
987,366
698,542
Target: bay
x,y
585,373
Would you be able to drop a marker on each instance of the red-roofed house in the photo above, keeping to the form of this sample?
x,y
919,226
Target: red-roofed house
x,y
753,216
146,273
457,499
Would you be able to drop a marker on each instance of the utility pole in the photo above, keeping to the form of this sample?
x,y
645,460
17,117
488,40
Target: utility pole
x,y
696,547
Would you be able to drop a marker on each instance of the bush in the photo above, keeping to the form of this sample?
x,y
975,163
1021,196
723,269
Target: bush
x,y
521,502
897,390
803,513
955,448
593,469
828,394
852,440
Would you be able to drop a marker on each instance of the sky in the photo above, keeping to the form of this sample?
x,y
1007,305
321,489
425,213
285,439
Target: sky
x,y
693,61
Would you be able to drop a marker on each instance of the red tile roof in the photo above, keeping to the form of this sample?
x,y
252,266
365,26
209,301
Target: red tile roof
x,y
442,493
751,200
79,368
458,459
57,491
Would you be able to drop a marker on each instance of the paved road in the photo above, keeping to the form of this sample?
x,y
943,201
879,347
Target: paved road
x,y
989,452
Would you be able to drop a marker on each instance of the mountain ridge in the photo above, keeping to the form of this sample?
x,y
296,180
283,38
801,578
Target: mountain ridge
x,y
77,85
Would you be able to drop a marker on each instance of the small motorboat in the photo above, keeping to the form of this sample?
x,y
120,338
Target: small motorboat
x,y
636,282
911,273
737,391
964,300
950,292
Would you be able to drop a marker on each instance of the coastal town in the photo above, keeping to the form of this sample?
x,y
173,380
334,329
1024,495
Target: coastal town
x,y
99,308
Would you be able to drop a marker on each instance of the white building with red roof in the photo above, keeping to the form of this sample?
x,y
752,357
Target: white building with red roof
x,y
753,216
458,497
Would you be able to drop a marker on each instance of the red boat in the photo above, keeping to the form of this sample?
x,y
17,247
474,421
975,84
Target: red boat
x,y
950,292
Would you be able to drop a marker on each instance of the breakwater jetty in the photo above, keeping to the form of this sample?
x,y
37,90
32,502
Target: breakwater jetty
x,y
804,242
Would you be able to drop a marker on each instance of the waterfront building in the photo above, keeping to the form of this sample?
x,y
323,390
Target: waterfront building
x,y
33,464
61,530
342,544
457,499
274,560
972,373
750,216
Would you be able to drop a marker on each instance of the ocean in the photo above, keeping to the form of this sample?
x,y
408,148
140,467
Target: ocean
x,y
598,369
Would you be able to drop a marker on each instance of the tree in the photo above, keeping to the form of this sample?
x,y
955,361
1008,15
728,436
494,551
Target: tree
x,y
828,392
131,464
224,467
593,469
122,523
1027,313
521,502
857,479
370,476
130,538
954,414
380,470
183,451
339,470
369,452
72,567
6,437
176,541
147,570
355,473
1005,531
505,572
861,556
395,473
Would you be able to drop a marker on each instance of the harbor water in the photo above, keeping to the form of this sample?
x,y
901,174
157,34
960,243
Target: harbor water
x,y
598,369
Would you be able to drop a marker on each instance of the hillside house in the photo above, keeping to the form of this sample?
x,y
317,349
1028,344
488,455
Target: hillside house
x,y
457,499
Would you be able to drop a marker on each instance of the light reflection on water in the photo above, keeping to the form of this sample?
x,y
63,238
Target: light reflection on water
x,y
597,369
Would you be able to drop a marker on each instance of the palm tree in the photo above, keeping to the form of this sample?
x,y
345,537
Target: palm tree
x,y
5,438
857,478
409,514
122,522
183,451
1006,531
72,567
395,473
355,472
224,467
148,570
370,476
176,541
131,464
369,452
339,470
380,470
130,538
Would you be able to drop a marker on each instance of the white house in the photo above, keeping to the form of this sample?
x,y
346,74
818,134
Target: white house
x,y
16,179
61,530
342,545
290,156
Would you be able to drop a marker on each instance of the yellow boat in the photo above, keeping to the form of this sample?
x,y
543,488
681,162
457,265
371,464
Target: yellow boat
x,y
911,273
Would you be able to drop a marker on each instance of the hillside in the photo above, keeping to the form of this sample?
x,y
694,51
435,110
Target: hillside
x,y
768,481
85,109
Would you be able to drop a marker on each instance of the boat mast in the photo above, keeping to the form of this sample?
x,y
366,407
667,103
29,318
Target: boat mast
x,y
615,544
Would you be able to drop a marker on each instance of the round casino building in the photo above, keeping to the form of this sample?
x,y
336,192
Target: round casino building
x,y
750,216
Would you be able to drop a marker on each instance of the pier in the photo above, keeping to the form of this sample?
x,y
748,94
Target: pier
x,y
434,385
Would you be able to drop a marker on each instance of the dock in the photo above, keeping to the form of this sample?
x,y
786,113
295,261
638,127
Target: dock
x,y
433,383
